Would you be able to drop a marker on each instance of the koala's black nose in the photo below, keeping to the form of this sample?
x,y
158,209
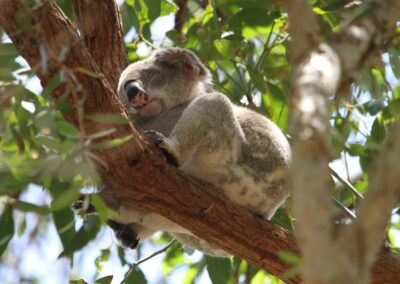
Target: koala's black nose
x,y
132,88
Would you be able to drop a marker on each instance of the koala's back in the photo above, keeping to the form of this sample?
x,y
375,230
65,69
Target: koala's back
x,y
263,162
267,148
248,164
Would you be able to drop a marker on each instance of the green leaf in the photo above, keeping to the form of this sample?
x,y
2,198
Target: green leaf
x,y
104,280
378,132
292,259
103,257
154,7
219,269
191,274
30,207
8,49
87,72
394,60
319,11
101,133
227,48
100,206
129,17
49,142
374,106
6,75
65,225
80,281
281,218
7,228
67,129
355,149
66,6
51,85
289,257
252,17
22,227
167,8
86,233
65,199
112,143
367,158
136,277
257,78
173,257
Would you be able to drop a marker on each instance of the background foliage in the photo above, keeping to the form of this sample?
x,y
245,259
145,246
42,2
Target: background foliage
x,y
45,163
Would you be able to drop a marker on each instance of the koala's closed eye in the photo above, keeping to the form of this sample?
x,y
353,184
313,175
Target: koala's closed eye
x,y
157,81
165,64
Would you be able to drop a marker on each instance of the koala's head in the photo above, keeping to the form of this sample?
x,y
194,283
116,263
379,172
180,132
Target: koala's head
x,y
166,79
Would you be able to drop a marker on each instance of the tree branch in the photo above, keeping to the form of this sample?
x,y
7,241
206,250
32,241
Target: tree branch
x,y
303,28
180,15
136,264
100,26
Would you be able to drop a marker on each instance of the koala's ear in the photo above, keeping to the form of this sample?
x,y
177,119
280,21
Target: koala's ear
x,y
185,61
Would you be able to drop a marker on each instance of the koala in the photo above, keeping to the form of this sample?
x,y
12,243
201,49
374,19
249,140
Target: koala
x,y
241,152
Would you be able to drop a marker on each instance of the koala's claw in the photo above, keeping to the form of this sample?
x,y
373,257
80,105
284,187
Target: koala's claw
x,y
159,140
154,137
125,234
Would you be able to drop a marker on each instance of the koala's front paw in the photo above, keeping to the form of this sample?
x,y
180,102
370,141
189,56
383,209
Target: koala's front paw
x,y
163,144
125,234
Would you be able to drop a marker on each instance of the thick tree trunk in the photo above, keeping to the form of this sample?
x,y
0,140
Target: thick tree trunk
x,y
344,256
135,170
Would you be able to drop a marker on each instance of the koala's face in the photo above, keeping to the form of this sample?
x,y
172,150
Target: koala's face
x,y
166,79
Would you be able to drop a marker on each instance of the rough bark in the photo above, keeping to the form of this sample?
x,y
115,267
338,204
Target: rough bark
x,y
100,26
343,256
151,183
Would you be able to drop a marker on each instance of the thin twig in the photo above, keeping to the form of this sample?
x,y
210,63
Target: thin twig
x,y
347,184
267,47
231,78
136,264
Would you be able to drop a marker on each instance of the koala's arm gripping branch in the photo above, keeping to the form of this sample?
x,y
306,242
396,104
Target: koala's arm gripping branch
x,y
151,183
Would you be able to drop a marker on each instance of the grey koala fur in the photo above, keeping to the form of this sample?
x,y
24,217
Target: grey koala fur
x,y
234,148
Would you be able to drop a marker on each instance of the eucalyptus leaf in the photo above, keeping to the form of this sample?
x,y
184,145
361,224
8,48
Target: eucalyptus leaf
x,y
219,269
136,277
7,228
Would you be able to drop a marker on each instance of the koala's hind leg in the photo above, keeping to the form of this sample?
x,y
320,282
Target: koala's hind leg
x,y
208,125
